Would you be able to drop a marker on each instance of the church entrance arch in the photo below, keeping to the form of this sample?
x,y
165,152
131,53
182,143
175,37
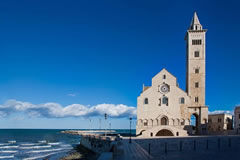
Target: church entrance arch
x,y
194,123
164,132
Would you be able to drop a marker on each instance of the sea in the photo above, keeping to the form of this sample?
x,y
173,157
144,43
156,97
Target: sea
x,y
38,144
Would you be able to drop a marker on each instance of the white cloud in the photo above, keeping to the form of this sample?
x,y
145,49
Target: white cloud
x,y
2,114
55,110
220,112
18,118
71,95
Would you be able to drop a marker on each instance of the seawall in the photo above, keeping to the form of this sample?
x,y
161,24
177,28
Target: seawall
x,y
97,143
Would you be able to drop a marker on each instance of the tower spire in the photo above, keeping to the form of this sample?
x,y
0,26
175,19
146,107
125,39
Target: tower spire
x,y
195,24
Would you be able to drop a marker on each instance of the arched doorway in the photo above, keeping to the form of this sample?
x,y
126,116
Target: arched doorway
x,y
164,121
194,123
164,132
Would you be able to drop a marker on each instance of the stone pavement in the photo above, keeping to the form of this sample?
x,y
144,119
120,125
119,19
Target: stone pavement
x,y
183,148
133,151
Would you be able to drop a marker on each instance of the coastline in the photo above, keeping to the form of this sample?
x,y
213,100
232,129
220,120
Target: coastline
x,y
80,153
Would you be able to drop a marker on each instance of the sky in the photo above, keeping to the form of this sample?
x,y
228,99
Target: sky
x,y
64,63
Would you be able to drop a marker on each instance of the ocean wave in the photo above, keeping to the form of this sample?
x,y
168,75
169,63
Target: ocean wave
x,y
44,141
38,157
35,147
66,145
4,144
7,147
11,142
4,157
49,150
29,144
8,151
56,143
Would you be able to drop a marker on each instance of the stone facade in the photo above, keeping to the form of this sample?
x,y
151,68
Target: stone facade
x,y
220,123
164,109
237,120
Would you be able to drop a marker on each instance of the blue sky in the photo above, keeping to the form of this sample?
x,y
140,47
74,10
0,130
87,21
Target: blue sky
x,y
101,52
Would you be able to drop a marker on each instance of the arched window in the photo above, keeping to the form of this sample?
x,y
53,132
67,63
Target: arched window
x,y
164,76
196,99
183,122
146,101
165,100
164,121
182,100
145,123
196,54
196,84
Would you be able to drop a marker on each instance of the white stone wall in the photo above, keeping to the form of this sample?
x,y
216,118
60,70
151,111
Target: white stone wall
x,y
151,113
192,64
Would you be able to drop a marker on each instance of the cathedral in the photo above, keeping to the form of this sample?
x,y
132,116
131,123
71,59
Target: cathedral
x,y
164,109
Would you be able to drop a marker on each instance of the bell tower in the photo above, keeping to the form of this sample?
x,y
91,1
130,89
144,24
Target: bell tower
x,y
196,57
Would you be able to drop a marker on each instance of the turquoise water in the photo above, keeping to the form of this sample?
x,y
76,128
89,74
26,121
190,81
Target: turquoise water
x,y
31,144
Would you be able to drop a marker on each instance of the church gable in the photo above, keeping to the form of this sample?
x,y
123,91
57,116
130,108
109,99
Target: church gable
x,y
164,85
164,77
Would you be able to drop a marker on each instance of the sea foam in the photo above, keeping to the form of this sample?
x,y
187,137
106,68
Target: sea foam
x,y
4,144
29,144
5,157
57,143
7,147
44,141
12,141
8,151
36,147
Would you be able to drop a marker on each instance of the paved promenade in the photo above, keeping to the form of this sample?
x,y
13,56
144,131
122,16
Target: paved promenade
x,y
133,151
184,148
